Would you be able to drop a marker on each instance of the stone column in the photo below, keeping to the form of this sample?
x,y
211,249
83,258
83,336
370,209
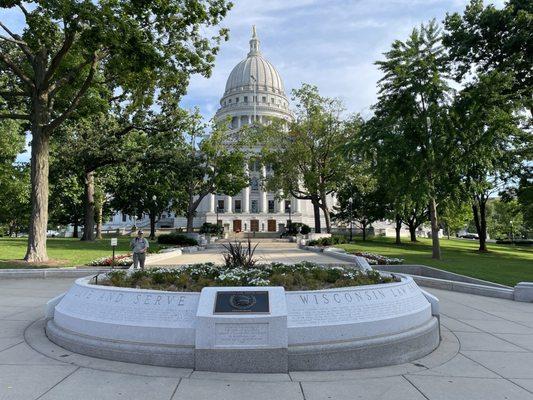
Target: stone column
x,y
281,206
295,204
211,203
229,205
263,202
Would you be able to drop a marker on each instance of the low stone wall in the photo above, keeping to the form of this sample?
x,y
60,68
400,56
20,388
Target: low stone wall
x,y
342,328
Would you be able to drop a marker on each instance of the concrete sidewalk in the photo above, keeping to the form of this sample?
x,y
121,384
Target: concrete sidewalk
x,y
266,252
486,354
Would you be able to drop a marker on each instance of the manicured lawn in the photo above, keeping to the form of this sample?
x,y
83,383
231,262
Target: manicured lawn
x,y
503,264
63,252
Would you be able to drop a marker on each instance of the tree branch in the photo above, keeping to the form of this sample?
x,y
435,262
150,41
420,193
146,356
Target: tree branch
x,y
56,60
15,116
12,94
23,9
16,70
18,41
88,80
71,77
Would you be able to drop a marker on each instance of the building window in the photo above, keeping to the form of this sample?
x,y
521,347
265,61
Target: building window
x,y
124,216
229,101
254,183
287,206
272,100
236,99
246,99
264,99
220,204
255,207
271,206
238,207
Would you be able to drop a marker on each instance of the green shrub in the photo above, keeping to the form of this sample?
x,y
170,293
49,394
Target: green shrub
x,y
177,239
331,241
297,227
212,229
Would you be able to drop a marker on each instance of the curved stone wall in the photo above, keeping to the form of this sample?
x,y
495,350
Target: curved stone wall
x,y
345,328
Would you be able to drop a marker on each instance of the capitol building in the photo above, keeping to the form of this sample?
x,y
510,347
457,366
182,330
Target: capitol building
x,y
254,92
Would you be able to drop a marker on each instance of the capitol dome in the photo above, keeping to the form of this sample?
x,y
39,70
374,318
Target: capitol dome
x,y
254,89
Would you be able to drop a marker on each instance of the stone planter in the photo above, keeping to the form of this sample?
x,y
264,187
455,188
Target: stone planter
x,y
331,329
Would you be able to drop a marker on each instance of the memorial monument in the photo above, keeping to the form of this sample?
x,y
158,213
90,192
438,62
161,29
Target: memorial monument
x,y
248,329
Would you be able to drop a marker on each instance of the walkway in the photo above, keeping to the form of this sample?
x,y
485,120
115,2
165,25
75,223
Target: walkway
x,y
486,354
266,252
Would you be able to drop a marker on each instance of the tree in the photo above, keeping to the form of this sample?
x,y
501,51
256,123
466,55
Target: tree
x,y
492,144
506,220
213,163
487,39
66,196
135,50
360,199
15,198
524,194
145,188
14,185
411,121
88,145
455,216
308,158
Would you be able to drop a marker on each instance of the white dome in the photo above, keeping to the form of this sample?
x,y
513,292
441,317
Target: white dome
x,y
254,66
254,90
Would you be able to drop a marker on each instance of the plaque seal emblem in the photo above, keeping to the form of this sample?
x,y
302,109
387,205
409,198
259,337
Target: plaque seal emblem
x,y
242,301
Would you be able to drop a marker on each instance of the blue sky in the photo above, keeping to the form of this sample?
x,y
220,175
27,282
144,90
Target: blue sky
x,y
329,43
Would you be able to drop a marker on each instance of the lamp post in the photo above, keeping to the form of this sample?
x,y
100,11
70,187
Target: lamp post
x,y
351,218
217,209
512,239
152,218
290,216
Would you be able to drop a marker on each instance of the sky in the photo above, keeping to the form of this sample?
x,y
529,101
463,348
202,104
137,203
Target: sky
x,y
332,44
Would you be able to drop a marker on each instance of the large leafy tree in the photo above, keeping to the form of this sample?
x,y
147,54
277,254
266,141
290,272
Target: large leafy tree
x,y
492,144
210,163
412,116
14,196
89,145
308,159
130,48
485,39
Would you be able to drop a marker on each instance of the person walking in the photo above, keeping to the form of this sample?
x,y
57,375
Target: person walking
x,y
139,246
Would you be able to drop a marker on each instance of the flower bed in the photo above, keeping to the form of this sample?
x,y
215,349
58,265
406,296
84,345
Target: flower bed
x,y
121,260
192,278
378,259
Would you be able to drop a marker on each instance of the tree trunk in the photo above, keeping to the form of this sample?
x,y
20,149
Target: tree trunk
x,y
398,229
483,224
325,210
152,226
88,225
40,163
316,211
480,220
434,229
75,229
99,220
364,230
412,231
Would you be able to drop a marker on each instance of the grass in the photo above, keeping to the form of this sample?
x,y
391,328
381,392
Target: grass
x,y
505,264
63,252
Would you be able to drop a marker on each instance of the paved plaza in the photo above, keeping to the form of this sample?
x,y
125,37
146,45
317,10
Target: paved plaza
x,y
486,354
267,251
